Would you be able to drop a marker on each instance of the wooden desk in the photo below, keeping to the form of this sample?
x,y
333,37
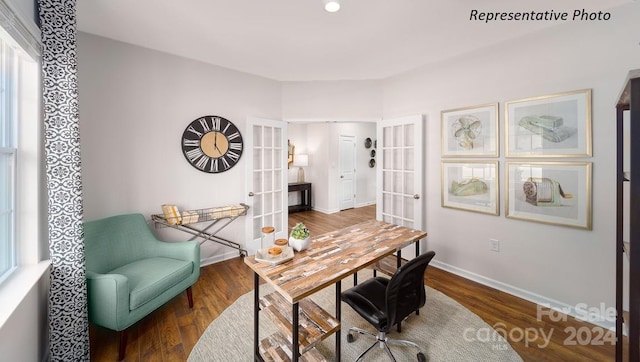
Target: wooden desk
x,y
330,258
305,196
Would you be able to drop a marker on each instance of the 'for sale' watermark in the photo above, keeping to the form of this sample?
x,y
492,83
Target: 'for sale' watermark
x,y
499,335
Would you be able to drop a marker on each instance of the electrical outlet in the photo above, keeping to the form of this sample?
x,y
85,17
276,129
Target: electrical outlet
x,y
495,244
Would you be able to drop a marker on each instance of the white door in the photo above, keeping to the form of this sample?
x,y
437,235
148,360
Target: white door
x,y
266,181
347,149
400,173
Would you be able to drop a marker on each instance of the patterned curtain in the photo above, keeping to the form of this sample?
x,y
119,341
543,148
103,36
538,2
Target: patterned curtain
x,y
68,321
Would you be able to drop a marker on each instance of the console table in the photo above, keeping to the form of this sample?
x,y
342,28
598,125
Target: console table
x,y
305,196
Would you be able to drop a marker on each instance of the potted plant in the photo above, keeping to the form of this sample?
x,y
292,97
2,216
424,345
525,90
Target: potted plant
x,y
299,237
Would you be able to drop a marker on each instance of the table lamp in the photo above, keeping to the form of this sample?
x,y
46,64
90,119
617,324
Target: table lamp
x,y
301,161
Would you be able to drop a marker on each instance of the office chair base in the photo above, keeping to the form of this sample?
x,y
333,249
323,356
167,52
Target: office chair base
x,y
383,342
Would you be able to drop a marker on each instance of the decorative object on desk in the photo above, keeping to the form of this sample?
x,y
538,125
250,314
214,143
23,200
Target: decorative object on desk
x,y
367,143
300,162
274,251
275,255
268,237
556,125
212,144
299,237
440,328
290,153
281,242
470,131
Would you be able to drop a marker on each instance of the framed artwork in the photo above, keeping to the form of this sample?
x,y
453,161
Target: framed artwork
x,y
471,186
290,151
556,193
557,125
470,131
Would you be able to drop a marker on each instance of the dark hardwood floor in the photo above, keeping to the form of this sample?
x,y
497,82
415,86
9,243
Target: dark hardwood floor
x,y
170,333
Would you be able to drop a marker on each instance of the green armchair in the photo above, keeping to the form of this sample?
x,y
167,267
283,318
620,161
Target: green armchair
x,y
130,273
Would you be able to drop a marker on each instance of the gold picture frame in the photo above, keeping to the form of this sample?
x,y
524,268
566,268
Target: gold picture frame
x,y
290,153
471,186
557,193
470,131
555,125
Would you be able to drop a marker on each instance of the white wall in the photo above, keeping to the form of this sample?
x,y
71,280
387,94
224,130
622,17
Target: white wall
x,y
540,262
334,101
134,105
24,336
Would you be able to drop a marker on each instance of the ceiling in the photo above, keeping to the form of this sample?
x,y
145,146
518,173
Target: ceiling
x,y
296,40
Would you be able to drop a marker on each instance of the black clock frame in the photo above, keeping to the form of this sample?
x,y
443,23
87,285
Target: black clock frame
x,y
198,158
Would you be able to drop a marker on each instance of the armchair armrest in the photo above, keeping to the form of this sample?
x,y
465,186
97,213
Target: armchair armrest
x,y
186,250
109,299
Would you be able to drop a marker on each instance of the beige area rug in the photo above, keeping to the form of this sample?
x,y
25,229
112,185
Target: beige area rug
x,y
445,330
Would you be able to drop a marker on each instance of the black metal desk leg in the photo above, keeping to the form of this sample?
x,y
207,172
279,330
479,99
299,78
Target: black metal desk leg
x,y
295,351
417,253
338,316
256,312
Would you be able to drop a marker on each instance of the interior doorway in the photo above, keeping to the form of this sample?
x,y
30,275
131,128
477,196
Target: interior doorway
x,y
321,142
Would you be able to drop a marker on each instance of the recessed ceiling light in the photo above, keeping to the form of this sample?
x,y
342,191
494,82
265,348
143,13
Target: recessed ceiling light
x,y
331,5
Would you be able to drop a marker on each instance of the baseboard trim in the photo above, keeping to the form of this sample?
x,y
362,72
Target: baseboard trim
x,y
219,257
325,211
365,204
582,312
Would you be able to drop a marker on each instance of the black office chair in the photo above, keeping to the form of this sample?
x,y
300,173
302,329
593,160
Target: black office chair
x,y
386,302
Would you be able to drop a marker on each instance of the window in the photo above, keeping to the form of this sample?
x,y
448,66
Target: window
x,y
18,122
7,157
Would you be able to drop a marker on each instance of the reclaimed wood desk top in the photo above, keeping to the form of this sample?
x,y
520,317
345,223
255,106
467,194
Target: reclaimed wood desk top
x,y
334,256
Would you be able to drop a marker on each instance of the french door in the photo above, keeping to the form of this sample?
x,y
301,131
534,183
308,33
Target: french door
x,y
266,181
400,173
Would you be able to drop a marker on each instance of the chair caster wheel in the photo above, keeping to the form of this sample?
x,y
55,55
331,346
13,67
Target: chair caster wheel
x,y
421,357
350,337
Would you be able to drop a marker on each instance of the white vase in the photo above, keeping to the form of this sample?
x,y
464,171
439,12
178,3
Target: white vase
x,y
299,244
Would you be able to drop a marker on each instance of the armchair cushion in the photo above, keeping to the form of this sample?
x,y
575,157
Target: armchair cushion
x,y
148,278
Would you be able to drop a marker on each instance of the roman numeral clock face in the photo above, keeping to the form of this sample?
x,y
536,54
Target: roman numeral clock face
x,y
212,144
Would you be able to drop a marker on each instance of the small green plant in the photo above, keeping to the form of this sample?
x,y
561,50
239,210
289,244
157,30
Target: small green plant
x,y
300,231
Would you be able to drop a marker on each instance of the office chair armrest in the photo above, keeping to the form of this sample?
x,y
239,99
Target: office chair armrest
x,y
366,309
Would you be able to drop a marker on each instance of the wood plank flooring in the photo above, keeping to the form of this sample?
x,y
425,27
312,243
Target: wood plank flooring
x,y
170,333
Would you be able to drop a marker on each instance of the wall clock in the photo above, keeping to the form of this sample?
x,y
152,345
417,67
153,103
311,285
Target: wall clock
x,y
212,144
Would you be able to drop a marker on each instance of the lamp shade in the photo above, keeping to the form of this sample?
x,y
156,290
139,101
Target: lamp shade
x,y
301,161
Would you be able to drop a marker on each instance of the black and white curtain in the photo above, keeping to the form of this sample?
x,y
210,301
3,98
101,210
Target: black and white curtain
x,y
68,322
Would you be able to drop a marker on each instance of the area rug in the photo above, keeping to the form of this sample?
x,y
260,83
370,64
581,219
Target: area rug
x,y
445,330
